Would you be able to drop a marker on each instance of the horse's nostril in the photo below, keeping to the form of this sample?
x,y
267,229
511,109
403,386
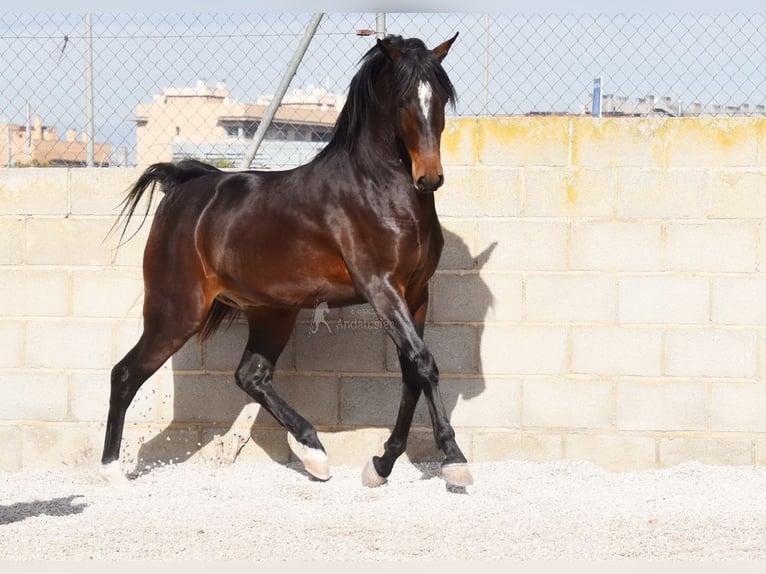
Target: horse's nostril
x,y
440,182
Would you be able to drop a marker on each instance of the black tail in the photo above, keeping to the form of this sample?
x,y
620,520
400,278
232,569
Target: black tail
x,y
168,175
219,315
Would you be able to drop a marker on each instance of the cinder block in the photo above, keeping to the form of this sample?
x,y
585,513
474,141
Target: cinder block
x,y
571,298
265,445
710,353
663,194
664,299
374,402
706,142
314,397
565,192
524,141
621,142
11,344
10,454
527,350
506,302
477,192
60,445
224,350
148,446
616,246
738,194
12,240
459,244
616,453
68,242
69,345
608,351
739,300
760,452
663,405
206,398
497,445
421,447
126,334
474,297
351,345
459,139
455,347
101,191
128,251
34,293
712,246
566,403
706,450
524,245
33,396
89,396
761,247
739,407
189,358
352,448
33,191
109,292
484,402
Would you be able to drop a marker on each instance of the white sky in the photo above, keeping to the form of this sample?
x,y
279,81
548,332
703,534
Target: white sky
x,y
507,6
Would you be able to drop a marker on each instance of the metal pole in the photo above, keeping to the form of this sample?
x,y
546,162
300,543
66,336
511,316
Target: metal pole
x,y
89,89
268,116
485,102
380,25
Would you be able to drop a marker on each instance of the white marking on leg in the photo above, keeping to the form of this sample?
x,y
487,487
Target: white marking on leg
x,y
112,473
313,459
424,97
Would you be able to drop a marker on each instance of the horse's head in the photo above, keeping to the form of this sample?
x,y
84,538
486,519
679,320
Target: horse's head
x,y
421,90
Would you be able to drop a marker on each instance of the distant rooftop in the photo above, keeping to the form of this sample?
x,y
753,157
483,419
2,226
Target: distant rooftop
x,y
621,106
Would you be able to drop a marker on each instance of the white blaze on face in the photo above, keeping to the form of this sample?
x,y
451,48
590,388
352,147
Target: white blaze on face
x,y
424,97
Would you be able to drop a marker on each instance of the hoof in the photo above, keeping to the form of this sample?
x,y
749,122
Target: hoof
x,y
370,476
314,460
457,474
112,473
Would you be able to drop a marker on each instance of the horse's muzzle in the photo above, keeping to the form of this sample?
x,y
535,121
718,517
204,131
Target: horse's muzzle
x,y
429,184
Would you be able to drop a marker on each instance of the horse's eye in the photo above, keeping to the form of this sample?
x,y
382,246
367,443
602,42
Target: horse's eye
x,y
402,103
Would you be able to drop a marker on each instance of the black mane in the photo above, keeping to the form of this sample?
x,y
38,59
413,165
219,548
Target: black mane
x,y
416,65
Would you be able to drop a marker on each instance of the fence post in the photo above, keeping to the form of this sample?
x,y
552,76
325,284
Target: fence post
x,y
380,25
89,89
268,116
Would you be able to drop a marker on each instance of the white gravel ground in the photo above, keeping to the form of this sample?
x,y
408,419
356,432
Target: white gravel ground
x,y
267,511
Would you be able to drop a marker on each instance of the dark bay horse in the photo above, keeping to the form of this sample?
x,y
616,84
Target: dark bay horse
x,y
355,225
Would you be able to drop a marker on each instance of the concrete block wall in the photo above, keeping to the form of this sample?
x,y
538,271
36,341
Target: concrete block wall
x,y
600,297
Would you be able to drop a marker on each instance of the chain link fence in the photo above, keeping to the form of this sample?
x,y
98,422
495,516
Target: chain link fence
x,y
130,89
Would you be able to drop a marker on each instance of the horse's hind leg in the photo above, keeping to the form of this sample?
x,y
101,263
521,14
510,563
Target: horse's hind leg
x,y
168,324
270,330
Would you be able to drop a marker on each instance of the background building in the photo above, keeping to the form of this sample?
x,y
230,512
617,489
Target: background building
x,y
207,124
39,145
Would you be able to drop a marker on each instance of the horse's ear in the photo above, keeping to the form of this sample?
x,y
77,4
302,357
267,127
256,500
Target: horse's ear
x,y
393,52
442,49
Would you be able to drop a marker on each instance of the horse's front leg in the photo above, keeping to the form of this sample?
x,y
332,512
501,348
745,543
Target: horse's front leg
x,y
419,371
377,470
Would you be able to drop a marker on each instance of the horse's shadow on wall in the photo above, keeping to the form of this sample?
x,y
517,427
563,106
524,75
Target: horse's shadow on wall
x,y
214,420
